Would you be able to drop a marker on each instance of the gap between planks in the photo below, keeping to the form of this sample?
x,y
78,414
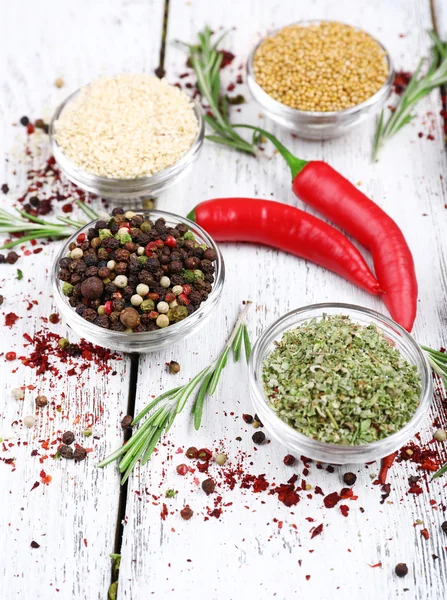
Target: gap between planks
x,y
135,357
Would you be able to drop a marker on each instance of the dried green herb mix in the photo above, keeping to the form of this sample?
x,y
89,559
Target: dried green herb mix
x,y
340,382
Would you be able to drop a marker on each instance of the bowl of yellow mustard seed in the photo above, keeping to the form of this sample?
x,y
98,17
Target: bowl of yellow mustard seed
x,y
320,78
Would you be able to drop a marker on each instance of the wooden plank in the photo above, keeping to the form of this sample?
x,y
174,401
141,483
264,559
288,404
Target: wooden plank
x,y
73,517
244,553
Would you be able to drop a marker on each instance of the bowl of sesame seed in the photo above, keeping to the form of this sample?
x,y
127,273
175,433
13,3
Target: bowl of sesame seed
x,y
127,136
320,78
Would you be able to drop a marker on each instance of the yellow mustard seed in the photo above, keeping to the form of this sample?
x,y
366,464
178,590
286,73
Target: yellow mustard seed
x,y
322,67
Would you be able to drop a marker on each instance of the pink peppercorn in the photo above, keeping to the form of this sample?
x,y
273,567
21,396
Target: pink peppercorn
x,y
182,469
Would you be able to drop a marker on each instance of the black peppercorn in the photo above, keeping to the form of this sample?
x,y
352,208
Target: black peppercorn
x,y
66,452
5,188
186,513
68,438
444,526
1,299
126,422
80,453
349,478
247,418
191,452
258,437
24,121
401,569
208,486
12,258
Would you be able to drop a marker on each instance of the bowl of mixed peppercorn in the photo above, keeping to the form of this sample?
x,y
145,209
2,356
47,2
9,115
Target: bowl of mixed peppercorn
x,y
340,383
138,282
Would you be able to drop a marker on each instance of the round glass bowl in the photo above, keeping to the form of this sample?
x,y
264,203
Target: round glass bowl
x,y
335,453
318,125
123,190
151,340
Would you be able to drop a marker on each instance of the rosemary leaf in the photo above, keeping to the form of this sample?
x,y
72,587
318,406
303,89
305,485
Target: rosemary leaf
x,y
441,472
238,343
247,343
198,404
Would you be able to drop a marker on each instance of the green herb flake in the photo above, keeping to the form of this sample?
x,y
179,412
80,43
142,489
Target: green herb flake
x,y
19,274
170,493
340,382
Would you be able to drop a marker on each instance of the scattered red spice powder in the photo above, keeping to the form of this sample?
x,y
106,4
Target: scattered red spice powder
x,y
401,80
84,354
164,512
379,564
344,509
46,479
331,500
425,534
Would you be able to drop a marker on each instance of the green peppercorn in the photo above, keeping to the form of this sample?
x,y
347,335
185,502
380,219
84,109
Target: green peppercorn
x,y
170,493
147,305
125,238
63,343
103,233
142,260
145,227
198,274
189,276
67,288
188,235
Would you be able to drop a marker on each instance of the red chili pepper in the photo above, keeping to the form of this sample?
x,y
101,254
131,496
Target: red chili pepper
x,y
286,228
387,462
316,183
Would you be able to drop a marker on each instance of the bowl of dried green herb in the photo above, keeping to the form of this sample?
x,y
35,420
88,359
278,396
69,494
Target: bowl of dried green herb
x,y
339,383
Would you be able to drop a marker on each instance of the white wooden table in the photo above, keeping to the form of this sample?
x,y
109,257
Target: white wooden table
x,y
76,517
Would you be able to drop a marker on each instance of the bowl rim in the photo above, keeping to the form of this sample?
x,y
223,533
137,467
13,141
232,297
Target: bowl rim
x,y
143,336
72,170
252,83
321,448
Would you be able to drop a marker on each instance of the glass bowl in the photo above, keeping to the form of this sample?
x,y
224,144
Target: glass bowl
x,y
322,451
144,341
122,190
318,125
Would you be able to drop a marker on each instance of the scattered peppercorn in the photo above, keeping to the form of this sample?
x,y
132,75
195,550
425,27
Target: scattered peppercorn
x,y
170,493
59,82
289,459
68,438
349,478
24,121
401,569
174,367
29,421
440,435
208,486
126,422
204,454
5,188
41,401
182,469
10,356
54,318
444,526
186,513
247,418
34,545
191,452
1,299
221,459
66,452
258,437
12,257
80,453
258,421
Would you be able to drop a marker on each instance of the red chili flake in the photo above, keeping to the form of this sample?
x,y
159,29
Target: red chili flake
x,y
344,510
10,319
227,58
401,80
379,564
231,87
318,490
67,208
316,531
307,577
164,512
202,467
331,500
46,479
260,484
30,128
425,534
10,356
36,484
204,454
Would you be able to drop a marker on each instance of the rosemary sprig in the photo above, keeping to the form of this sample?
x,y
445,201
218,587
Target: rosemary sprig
x,y
206,61
438,362
169,404
34,227
418,87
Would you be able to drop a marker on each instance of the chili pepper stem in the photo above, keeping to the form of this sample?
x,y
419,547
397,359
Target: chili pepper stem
x,y
296,164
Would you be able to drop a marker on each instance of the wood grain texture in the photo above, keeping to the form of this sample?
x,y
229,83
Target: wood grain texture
x,y
244,553
73,518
